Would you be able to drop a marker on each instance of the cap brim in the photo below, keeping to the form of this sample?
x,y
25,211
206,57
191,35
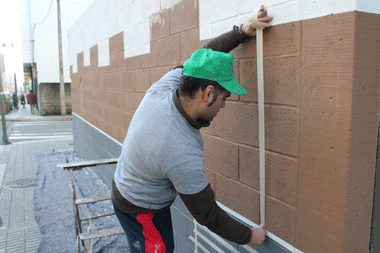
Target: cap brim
x,y
233,87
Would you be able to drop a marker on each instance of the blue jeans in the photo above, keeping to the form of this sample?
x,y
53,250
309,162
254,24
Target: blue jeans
x,y
147,232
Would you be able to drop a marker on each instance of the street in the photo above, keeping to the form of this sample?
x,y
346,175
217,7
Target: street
x,y
39,130
22,126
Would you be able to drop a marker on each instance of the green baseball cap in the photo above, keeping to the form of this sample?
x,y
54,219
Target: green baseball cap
x,y
215,66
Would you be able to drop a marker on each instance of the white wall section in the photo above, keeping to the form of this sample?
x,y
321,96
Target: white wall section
x,y
370,6
216,19
106,18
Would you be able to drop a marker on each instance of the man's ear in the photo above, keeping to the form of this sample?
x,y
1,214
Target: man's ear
x,y
208,93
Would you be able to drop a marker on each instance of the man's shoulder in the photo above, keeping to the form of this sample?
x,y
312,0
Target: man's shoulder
x,y
167,83
174,73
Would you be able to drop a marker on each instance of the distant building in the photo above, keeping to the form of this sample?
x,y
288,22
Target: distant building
x,y
39,28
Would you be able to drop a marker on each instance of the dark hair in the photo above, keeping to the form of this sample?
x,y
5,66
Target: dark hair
x,y
188,86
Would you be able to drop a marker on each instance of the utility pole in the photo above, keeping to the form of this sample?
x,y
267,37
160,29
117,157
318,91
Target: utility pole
x,y
16,98
5,140
62,82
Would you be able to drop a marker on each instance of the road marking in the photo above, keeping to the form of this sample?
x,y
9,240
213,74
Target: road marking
x,y
43,134
42,141
40,123
42,137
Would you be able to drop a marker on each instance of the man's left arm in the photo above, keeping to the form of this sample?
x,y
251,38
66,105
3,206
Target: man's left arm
x,y
228,41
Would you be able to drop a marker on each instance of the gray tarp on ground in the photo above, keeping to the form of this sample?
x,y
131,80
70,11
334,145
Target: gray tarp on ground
x,y
54,211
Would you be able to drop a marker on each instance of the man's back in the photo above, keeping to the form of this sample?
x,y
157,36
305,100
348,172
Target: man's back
x,y
161,148
32,98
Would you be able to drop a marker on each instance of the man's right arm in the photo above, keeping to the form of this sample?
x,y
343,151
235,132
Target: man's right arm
x,y
206,212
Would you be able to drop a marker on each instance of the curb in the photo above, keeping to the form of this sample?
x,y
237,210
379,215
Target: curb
x,y
39,119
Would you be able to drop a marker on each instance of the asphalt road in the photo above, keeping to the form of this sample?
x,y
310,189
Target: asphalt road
x,y
38,130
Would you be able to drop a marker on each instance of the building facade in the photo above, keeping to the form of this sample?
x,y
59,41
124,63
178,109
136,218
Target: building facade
x,y
321,66
39,30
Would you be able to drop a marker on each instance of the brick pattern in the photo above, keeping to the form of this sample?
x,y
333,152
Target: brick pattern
x,y
320,116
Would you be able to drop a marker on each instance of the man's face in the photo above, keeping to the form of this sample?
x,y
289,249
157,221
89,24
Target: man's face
x,y
213,107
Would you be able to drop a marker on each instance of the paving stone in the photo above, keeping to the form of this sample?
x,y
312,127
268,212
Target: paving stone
x,y
20,232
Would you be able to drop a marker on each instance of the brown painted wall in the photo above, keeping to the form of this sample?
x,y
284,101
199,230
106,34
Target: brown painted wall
x,y
339,115
321,113
327,81
364,125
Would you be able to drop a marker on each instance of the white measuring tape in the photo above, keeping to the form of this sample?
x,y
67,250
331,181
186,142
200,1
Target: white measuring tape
x,y
260,92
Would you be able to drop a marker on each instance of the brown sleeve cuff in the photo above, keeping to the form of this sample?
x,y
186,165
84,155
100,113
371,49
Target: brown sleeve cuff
x,y
206,212
226,42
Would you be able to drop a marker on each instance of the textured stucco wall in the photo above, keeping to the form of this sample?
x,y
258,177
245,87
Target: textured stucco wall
x,y
321,114
50,98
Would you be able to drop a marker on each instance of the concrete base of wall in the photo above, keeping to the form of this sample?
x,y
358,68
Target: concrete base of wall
x,y
91,143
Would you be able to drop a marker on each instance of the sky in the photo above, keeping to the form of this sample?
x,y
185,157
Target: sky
x,y
10,32
9,20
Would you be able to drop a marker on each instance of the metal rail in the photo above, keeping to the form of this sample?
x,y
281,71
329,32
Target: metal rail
x,y
197,234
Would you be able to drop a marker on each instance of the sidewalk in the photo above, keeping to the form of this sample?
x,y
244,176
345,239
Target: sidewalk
x,y
24,114
19,231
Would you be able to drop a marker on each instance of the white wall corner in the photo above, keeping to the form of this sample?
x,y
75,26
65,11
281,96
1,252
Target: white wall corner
x,y
370,6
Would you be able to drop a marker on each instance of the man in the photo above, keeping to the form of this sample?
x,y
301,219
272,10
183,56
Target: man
x,y
32,100
15,102
162,154
22,100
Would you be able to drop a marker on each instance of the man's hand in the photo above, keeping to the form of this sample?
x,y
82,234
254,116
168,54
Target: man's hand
x,y
248,27
258,236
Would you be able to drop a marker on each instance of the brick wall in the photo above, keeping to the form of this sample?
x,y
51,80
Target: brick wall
x,y
50,98
321,116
